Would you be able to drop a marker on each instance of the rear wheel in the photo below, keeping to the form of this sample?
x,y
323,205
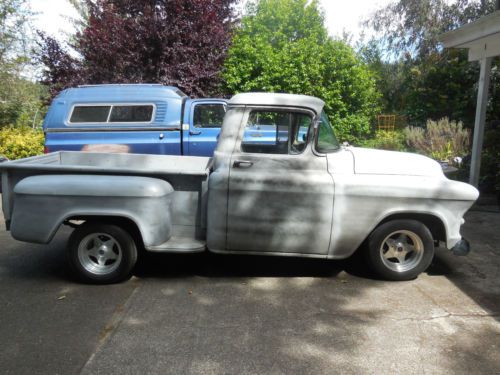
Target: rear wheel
x,y
101,253
400,249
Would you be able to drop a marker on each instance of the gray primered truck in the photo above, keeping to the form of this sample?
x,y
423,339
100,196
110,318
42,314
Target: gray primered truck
x,y
300,194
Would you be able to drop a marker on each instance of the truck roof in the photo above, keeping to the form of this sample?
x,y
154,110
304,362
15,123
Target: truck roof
x,y
121,90
278,99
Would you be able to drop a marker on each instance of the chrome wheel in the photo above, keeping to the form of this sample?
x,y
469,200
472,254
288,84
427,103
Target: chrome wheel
x,y
99,253
402,250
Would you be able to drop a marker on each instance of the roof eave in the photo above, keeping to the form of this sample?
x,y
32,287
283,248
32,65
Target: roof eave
x,y
482,28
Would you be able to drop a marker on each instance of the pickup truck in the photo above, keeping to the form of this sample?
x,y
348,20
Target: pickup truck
x,y
133,118
303,196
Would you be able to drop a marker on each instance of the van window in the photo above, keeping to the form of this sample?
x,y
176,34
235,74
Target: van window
x,y
119,113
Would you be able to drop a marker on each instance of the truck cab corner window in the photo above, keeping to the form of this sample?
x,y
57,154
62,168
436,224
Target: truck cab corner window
x,y
326,141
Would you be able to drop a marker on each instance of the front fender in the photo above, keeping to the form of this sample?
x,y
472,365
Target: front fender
x,y
363,201
42,203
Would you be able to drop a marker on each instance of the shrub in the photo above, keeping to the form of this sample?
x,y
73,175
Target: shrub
x,y
386,140
20,142
441,140
490,161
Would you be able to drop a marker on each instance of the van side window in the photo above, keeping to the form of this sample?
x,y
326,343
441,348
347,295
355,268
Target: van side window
x,y
119,113
276,132
208,115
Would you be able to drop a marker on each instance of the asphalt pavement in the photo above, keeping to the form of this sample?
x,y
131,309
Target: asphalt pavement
x,y
208,314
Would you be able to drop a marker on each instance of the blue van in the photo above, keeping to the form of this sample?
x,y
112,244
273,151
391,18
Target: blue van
x,y
133,118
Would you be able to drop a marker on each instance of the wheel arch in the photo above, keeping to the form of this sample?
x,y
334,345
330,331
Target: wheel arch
x,y
122,221
432,222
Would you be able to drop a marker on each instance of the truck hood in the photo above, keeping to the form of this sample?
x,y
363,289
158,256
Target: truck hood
x,y
369,161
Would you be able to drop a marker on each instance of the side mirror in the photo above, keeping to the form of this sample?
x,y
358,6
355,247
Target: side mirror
x,y
304,137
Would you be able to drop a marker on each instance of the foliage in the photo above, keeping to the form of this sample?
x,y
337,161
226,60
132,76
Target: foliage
x,y
20,98
14,34
81,21
21,101
386,140
283,46
442,140
177,42
490,161
445,85
389,76
417,77
20,142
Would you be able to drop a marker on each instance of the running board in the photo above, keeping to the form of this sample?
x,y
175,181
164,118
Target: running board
x,y
179,245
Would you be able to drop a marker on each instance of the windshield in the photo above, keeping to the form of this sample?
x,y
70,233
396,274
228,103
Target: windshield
x,y
326,141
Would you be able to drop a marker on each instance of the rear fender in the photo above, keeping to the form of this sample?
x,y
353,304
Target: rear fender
x,y
43,203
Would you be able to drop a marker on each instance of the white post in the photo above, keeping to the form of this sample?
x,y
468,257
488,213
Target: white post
x,y
482,101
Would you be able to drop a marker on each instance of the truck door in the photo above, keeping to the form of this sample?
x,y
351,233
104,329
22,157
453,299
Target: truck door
x,y
280,192
203,120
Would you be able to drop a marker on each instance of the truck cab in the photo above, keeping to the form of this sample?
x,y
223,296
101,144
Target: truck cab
x,y
133,118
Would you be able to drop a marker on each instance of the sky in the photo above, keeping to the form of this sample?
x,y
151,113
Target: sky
x,y
340,16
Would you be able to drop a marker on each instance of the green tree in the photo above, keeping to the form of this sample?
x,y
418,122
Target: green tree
x,y
433,82
20,98
283,46
390,76
416,76
14,34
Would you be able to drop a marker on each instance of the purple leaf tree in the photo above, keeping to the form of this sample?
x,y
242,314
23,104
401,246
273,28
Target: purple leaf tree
x,y
175,42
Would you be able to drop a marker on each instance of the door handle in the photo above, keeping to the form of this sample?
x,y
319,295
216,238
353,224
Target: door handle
x,y
161,136
242,164
194,132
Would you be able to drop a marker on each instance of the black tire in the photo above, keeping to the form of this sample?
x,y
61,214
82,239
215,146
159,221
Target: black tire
x,y
410,242
105,241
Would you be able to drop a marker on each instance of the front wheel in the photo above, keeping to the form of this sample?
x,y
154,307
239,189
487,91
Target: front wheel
x,y
400,249
101,253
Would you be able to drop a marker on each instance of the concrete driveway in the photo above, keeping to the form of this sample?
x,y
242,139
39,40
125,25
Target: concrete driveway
x,y
205,314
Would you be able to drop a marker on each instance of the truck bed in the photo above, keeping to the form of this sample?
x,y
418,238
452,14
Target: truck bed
x,y
74,161
186,174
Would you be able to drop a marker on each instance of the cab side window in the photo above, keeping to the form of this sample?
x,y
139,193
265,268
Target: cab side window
x,y
208,115
276,132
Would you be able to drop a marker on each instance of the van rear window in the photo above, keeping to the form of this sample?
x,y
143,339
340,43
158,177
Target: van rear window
x,y
119,113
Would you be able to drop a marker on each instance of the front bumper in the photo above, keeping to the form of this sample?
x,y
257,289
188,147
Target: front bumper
x,y
461,248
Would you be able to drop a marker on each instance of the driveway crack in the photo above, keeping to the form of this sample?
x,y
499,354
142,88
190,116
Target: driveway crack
x,y
111,327
448,315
